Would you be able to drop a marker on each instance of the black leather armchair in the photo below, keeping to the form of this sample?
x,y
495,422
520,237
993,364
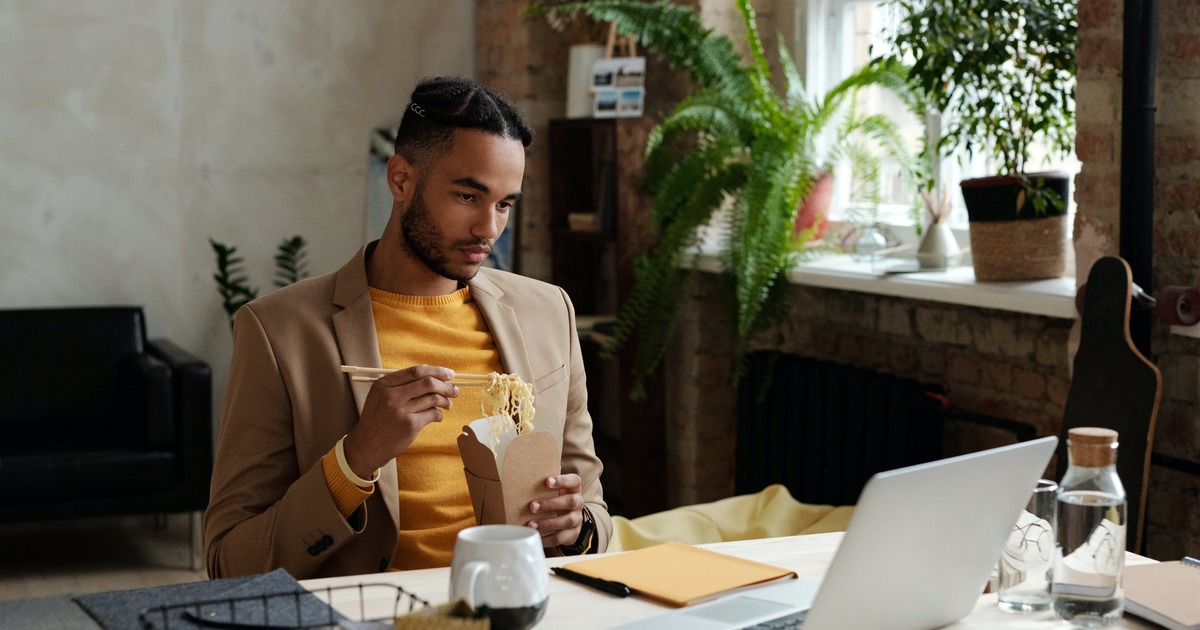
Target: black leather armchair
x,y
97,420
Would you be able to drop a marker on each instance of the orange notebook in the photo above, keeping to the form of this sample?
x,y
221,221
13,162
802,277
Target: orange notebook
x,y
679,574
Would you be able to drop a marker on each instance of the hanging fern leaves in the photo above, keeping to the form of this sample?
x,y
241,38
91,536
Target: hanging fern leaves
x,y
737,143
231,280
290,263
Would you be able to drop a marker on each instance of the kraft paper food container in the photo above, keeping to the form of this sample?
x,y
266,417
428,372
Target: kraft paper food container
x,y
504,481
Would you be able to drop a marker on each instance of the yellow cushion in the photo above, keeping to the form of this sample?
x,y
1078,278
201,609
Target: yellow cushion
x,y
765,514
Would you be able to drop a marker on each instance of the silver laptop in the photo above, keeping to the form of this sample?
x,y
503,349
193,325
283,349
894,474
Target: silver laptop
x,y
919,549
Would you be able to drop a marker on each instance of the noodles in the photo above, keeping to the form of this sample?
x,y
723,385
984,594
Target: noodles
x,y
506,396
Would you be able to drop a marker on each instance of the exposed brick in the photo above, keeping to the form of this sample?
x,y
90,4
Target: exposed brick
x,y
1097,15
997,376
903,360
965,368
1182,49
1057,389
849,349
1094,145
941,326
1098,102
932,360
1000,336
1099,189
1099,53
1028,384
896,318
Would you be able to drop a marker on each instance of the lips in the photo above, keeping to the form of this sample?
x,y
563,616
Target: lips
x,y
475,255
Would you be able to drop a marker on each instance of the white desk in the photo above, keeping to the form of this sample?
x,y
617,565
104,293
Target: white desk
x,y
577,607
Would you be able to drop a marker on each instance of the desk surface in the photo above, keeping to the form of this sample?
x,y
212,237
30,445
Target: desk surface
x,y
574,606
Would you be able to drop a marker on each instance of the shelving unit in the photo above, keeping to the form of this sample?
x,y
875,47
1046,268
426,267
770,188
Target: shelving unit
x,y
599,223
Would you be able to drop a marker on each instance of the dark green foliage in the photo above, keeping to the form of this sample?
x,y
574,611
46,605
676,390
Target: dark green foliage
x,y
234,287
736,144
1002,71
290,265
231,280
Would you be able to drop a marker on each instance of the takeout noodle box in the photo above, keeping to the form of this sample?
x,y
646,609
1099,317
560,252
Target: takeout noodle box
x,y
504,479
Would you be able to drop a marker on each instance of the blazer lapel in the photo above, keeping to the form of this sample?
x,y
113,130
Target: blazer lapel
x,y
502,321
354,327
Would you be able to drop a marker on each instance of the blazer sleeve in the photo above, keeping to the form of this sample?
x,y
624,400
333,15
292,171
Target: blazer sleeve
x,y
264,512
579,451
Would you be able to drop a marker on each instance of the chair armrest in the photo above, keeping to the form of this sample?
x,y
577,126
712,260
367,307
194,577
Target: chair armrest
x,y
152,402
192,403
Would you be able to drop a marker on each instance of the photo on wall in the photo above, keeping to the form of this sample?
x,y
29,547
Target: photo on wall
x,y
619,87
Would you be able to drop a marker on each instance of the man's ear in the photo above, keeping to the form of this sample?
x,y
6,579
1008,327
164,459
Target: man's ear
x,y
401,178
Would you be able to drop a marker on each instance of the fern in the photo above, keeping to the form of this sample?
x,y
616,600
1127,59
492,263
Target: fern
x,y
290,265
234,287
736,138
231,280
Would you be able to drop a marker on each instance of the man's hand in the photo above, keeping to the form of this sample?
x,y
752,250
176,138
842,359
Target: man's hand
x,y
398,406
564,528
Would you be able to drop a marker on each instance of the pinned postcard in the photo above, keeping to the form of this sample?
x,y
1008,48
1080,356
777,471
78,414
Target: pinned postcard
x,y
506,471
619,87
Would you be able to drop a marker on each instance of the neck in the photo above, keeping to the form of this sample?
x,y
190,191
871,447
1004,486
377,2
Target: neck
x,y
391,268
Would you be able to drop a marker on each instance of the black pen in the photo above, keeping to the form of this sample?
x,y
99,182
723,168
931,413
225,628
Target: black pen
x,y
608,586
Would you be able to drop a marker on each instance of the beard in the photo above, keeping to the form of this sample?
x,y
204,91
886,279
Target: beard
x,y
425,241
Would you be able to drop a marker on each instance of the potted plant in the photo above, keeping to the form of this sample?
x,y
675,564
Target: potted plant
x,y
1003,74
739,145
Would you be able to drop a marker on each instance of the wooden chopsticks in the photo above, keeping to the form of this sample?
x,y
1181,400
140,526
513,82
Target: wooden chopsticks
x,y
369,374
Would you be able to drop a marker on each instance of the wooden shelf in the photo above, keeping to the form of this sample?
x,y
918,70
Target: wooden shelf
x,y
595,166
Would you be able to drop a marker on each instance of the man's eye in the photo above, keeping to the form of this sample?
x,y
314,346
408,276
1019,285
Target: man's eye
x,y
466,196
504,206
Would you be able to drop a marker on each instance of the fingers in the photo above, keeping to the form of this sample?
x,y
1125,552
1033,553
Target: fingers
x,y
560,530
569,482
572,502
397,407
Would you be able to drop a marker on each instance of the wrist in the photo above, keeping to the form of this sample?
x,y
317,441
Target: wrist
x,y
350,471
586,541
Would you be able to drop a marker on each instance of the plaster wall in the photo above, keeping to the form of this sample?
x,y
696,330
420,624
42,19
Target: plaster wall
x,y
132,131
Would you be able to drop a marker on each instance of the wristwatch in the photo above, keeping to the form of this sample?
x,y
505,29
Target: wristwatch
x,y
584,544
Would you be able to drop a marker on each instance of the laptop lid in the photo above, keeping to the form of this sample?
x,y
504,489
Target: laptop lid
x,y
923,540
919,548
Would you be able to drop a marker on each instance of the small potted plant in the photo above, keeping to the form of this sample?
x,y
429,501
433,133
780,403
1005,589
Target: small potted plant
x,y
1003,74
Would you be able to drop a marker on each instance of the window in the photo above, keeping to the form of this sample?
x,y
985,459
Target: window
x,y
836,37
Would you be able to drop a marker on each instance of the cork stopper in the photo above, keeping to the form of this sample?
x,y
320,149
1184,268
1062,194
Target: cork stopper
x,y
1092,447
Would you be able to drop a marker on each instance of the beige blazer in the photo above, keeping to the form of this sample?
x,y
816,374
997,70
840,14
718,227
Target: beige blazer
x,y
288,403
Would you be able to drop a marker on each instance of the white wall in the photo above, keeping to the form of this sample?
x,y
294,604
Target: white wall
x,y
131,131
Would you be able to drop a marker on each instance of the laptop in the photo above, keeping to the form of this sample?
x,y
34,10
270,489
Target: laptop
x,y
917,554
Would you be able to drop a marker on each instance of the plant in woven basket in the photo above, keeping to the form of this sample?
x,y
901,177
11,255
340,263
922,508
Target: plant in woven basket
x,y
1003,75
740,145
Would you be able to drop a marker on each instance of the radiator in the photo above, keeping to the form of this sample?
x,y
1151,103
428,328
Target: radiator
x,y
822,429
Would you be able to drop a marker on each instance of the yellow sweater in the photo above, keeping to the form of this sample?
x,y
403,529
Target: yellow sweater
x,y
449,331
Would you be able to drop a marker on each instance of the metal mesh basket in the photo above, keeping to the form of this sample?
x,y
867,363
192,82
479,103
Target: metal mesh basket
x,y
373,605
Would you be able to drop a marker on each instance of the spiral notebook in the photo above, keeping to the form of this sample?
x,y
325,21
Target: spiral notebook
x,y
1165,593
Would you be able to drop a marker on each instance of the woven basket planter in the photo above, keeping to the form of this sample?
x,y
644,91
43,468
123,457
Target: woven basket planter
x,y
1007,244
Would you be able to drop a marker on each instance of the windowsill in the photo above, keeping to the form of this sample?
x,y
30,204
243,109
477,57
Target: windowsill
x,y
956,285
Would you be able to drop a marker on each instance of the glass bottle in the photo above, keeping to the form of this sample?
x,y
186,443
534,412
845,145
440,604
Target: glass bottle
x,y
1090,551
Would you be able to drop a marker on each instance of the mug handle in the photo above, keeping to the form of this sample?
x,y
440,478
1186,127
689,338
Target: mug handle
x,y
465,580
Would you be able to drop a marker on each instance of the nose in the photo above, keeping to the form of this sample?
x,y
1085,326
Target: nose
x,y
489,226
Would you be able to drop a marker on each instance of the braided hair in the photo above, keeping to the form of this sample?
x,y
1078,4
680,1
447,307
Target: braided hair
x,y
441,105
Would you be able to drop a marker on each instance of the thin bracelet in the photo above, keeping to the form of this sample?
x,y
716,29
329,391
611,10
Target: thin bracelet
x,y
340,451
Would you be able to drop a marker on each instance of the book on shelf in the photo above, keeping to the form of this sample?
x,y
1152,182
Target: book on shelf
x,y
1165,593
679,574
584,222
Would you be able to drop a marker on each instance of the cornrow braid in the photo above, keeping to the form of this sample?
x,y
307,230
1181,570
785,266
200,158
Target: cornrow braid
x,y
439,105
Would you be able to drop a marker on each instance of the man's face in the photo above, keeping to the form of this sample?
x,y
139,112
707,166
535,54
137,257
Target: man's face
x,y
462,203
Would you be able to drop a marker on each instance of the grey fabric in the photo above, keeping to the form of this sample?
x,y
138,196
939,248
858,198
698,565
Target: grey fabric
x,y
272,599
59,613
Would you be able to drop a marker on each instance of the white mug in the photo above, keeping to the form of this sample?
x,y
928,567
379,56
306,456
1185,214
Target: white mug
x,y
502,569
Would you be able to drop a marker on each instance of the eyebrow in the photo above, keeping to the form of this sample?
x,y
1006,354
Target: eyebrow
x,y
471,182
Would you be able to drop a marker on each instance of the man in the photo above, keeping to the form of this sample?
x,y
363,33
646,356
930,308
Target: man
x,y
323,476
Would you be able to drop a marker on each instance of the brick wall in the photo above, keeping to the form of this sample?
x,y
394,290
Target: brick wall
x,y
990,362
